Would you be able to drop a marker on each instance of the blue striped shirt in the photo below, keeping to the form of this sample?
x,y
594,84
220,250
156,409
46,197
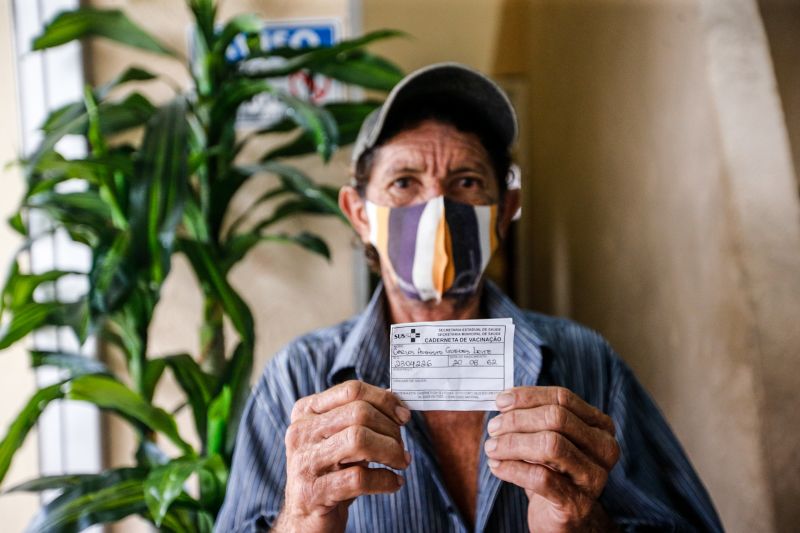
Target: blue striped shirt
x,y
652,488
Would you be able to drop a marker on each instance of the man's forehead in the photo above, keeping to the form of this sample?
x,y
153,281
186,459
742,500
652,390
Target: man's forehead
x,y
430,142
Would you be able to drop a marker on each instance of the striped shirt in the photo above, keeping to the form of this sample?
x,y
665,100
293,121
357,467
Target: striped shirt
x,y
653,487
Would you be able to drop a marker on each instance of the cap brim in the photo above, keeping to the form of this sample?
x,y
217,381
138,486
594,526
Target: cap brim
x,y
465,85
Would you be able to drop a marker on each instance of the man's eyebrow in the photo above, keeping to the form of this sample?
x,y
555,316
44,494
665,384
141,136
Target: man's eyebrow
x,y
470,167
397,169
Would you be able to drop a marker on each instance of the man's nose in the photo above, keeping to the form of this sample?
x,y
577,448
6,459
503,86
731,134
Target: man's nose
x,y
435,187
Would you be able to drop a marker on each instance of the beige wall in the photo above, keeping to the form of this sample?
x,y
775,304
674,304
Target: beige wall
x,y
663,213
782,24
16,381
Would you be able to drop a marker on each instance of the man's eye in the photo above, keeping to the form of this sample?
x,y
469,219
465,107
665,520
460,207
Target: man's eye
x,y
402,183
469,182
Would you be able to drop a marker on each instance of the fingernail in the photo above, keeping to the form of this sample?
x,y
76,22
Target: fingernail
x,y
408,457
490,445
493,463
402,413
494,424
504,400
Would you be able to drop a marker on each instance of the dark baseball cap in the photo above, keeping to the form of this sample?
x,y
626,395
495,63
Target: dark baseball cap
x,y
443,82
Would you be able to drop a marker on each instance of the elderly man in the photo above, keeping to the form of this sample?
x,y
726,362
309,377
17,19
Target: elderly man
x,y
576,445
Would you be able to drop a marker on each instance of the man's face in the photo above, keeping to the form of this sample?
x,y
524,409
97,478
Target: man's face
x,y
417,165
432,159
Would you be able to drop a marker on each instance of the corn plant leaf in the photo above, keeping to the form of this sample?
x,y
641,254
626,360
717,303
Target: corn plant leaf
x,y
310,57
55,482
19,287
75,364
297,181
193,221
205,13
213,479
314,120
108,504
348,116
111,278
240,245
24,319
288,208
219,412
161,187
304,239
197,384
165,484
244,23
265,197
16,223
134,110
90,499
153,370
237,378
128,75
208,269
108,393
87,22
363,69
23,423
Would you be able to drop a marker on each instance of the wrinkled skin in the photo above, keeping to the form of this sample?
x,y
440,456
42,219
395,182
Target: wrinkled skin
x,y
546,439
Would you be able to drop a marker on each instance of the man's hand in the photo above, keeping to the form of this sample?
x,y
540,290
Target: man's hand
x,y
560,450
332,437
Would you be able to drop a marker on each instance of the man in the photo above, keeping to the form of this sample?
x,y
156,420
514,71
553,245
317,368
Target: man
x,y
577,445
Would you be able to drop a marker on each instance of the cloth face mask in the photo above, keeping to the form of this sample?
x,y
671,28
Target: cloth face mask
x,y
434,249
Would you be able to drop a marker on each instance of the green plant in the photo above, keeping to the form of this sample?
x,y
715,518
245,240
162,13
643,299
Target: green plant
x,y
137,206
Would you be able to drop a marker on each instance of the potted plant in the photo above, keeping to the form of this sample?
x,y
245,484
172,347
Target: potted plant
x,y
138,205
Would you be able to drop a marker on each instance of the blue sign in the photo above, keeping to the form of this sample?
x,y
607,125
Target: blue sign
x,y
296,35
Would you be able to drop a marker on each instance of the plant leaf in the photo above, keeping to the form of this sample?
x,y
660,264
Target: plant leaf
x,y
306,240
161,187
315,120
348,116
24,320
197,385
237,378
297,181
265,197
363,69
153,370
312,56
19,288
23,423
108,393
51,483
240,245
75,364
87,22
219,412
164,484
207,268
244,23
108,504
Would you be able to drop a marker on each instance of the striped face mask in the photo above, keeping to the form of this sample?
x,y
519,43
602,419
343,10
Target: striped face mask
x,y
434,249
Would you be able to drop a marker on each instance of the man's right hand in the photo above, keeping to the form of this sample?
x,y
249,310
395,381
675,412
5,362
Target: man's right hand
x,y
332,437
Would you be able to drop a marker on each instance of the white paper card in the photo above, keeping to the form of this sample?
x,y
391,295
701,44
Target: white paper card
x,y
453,365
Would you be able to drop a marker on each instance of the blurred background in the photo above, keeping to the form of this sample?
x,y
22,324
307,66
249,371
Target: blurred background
x,y
659,153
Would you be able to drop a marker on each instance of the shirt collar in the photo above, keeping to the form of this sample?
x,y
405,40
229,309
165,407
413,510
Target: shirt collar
x,y
364,355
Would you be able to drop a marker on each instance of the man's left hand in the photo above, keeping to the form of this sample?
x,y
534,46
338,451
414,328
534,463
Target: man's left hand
x,y
558,448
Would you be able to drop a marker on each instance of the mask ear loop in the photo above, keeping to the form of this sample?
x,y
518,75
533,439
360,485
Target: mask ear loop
x,y
514,183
